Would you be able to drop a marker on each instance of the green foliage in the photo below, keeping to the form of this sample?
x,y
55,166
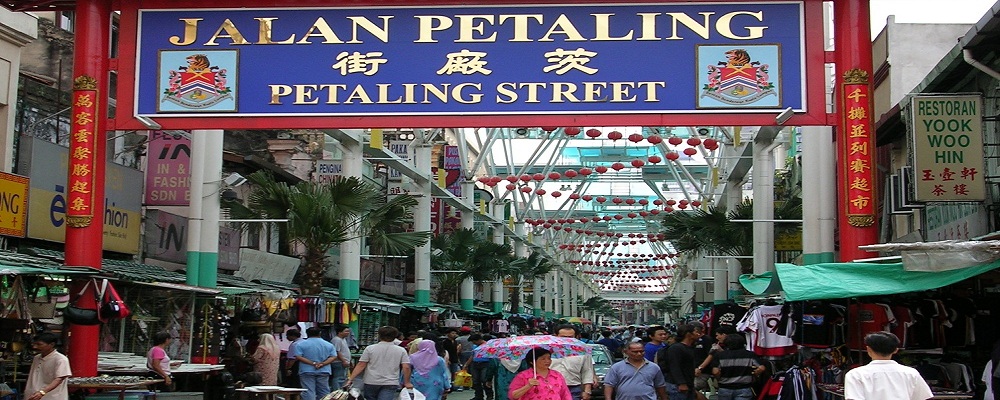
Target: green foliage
x,y
323,215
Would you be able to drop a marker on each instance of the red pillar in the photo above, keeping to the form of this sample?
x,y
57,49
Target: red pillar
x,y
85,201
856,194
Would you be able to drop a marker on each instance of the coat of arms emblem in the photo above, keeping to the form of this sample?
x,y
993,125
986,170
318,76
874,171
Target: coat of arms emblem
x,y
739,80
197,85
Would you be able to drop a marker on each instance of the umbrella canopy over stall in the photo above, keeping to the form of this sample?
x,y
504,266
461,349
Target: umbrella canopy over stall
x,y
578,320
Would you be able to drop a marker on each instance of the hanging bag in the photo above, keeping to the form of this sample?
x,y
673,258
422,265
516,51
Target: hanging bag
x,y
112,305
41,304
14,318
83,316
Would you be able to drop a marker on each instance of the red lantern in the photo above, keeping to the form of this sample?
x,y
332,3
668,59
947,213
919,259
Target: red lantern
x,y
635,138
682,205
673,156
549,128
674,140
525,178
654,139
643,214
615,135
637,163
693,141
511,178
617,200
511,186
601,169
606,218
657,202
554,175
601,199
630,201
585,171
696,203
538,177
690,151
619,217
595,219
491,183
571,131
495,179
587,197
671,202
593,133
654,159
633,215
643,201
574,196
570,173
526,189
556,194
617,166
711,144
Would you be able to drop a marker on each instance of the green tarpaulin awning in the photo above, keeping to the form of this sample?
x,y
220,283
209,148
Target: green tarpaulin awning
x,y
845,280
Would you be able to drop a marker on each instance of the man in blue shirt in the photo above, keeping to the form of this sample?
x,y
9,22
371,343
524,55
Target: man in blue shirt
x,y
634,378
479,368
315,356
609,342
657,337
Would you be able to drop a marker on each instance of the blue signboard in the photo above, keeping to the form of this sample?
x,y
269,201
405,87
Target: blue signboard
x,y
558,59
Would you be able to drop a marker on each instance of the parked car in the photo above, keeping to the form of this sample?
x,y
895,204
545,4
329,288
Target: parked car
x,y
602,362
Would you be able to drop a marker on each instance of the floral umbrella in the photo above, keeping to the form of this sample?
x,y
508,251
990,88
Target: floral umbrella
x,y
516,348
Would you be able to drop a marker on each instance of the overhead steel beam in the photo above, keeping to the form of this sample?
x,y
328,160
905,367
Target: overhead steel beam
x,y
388,158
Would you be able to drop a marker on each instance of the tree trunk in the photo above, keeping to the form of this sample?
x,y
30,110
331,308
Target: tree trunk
x,y
313,273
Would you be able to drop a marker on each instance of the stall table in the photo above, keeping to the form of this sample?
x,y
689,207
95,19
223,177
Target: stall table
x,y
837,390
111,387
270,392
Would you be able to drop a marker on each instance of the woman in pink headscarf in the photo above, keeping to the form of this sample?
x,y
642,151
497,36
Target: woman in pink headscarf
x,y
430,373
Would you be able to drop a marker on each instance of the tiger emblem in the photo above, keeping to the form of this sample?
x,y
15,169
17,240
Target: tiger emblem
x,y
739,79
198,84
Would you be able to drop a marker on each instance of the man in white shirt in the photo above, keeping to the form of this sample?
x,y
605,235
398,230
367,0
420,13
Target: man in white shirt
x,y
49,370
883,378
578,371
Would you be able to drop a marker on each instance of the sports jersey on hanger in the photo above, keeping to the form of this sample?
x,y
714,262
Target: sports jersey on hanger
x,y
863,319
766,339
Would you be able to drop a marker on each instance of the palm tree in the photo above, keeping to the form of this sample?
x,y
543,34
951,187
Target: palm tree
x,y
323,215
463,254
600,306
712,232
520,270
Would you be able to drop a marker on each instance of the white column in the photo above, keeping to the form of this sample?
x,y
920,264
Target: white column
x,y
567,285
199,145
350,250
819,188
466,292
498,238
763,206
422,223
212,180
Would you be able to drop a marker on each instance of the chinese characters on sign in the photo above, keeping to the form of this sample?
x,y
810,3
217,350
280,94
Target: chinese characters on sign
x,y
948,148
483,59
80,199
859,140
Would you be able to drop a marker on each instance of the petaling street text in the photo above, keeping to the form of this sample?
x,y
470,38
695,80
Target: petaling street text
x,y
481,28
467,93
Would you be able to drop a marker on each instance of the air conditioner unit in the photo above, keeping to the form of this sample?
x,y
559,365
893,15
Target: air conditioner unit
x,y
901,192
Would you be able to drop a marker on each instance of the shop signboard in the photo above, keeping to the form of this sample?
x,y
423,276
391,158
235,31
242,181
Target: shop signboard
x,y
948,147
46,164
454,64
166,240
168,180
261,265
947,221
13,204
327,170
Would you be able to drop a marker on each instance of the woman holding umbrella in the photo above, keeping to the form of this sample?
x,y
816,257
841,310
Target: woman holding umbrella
x,y
539,382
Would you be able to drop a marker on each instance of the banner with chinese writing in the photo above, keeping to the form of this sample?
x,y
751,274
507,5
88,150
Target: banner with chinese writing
x,y
859,152
82,148
948,147
484,59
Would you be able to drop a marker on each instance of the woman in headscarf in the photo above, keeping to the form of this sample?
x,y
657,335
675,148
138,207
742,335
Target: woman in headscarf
x,y
265,360
430,374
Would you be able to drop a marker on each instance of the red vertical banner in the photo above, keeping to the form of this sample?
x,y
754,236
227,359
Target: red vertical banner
x,y
82,163
859,150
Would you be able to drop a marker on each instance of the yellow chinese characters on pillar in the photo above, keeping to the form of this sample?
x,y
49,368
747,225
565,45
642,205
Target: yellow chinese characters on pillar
x,y
859,146
82,148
